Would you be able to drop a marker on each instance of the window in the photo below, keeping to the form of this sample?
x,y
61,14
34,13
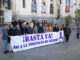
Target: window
x,y
34,6
8,4
51,0
51,9
60,2
23,3
67,6
43,7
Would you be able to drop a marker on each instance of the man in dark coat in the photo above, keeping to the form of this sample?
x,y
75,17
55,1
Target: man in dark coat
x,y
17,30
67,33
5,38
23,29
40,28
56,28
29,29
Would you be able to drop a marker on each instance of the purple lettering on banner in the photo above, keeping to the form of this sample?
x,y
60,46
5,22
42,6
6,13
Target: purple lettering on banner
x,y
41,37
31,38
34,37
26,38
60,36
23,39
46,36
46,41
42,42
37,37
50,35
15,47
21,46
25,45
53,40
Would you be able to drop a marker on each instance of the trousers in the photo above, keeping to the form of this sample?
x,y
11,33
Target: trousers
x,y
5,44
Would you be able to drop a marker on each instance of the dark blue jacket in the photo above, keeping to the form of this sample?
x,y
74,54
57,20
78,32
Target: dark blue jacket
x,y
17,31
23,30
40,30
56,29
5,34
29,30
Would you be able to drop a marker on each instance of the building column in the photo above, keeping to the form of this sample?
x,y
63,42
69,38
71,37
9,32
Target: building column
x,y
39,3
28,6
48,7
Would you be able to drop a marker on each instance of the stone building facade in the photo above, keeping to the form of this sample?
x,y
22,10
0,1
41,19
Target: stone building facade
x,y
39,9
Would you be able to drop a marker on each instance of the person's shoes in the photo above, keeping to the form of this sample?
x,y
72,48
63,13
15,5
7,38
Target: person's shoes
x,y
6,52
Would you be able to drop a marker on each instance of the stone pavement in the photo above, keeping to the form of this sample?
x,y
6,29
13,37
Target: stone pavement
x,y
61,51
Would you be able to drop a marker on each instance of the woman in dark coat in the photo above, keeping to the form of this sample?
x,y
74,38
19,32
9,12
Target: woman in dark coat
x,y
11,32
67,33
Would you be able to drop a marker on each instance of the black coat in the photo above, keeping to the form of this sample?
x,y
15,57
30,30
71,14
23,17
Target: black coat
x,y
40,30
56,29
17,31
11,32
23,30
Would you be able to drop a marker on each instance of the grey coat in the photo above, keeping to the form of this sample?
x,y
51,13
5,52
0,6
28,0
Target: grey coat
x,y
4,34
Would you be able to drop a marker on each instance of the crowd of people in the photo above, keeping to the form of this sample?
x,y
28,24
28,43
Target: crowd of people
x,y
23,28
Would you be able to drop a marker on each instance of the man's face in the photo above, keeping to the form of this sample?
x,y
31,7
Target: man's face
x,y
7,26
23,25
17,26
40,25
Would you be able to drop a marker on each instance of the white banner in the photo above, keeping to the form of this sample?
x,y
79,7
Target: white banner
x,y
25,42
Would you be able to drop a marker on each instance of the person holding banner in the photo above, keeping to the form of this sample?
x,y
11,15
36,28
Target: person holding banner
x,y
23,29
50,28
5,38
45,27
17,30
29,29
35,30
56,28
40,28
11,32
